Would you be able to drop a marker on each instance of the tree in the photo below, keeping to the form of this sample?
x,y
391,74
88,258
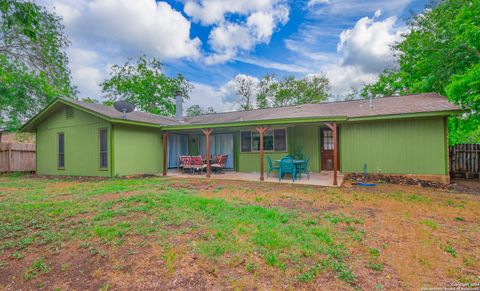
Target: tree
x,y
291,91
246,89
196,110
441,46
34,66
145,84
352,94
266,91
465,89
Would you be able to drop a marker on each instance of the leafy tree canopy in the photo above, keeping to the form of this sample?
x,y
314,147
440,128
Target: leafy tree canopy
x,y
145,84
33,64
440,52
196,110
270,92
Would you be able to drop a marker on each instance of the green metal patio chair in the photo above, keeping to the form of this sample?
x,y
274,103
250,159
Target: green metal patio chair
x,y
303,168
271,167
287,166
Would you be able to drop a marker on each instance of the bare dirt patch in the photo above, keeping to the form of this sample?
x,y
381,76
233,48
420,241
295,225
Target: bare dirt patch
x,y
397,237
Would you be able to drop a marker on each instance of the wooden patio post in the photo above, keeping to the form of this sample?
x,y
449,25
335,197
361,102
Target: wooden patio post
x,y
262,129
333,127
164,140
207,133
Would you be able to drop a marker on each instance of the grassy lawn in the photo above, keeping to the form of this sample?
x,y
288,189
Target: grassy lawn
x,y
164,233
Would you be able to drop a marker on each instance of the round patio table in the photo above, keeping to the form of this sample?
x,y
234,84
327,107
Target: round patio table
x,y
296,162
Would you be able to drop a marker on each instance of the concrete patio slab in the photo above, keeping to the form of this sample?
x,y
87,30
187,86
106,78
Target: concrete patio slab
x,y
324,178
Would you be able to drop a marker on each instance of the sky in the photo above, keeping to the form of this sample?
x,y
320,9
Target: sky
x,y
212,41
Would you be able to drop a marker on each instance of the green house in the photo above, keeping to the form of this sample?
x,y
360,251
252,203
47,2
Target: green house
x,y
402,135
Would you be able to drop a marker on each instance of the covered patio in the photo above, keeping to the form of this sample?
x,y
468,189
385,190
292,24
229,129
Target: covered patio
x,y
252,160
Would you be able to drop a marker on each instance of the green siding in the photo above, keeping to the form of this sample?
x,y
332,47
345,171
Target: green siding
x,y
394,147
250,162
82,155
306,138
138,150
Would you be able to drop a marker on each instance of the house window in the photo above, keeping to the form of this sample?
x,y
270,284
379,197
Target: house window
x,y
68,112
246,141
103,148
273,140
280,139
61,150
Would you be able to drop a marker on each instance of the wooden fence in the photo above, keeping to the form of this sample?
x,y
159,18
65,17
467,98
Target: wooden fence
x,y
465,160
17,157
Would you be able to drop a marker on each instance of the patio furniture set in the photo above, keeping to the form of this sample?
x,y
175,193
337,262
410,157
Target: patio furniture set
x,y
289,165
198,164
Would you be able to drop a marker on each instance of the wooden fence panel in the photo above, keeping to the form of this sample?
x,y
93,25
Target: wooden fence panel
x,y
17,157
465,160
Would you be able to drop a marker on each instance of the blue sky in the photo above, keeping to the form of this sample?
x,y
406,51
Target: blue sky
x,y
212,41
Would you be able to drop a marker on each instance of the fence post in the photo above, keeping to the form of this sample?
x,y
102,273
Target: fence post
x,y
9,159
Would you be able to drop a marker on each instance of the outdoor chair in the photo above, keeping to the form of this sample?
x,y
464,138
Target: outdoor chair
x,y
287,166
198,164
303,168
186,163
271,167
219,166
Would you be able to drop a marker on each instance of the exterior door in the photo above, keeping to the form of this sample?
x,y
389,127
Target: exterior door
x,y
327,146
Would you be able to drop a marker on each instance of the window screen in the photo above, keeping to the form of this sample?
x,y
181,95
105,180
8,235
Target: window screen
x,y
103,148
273,140
280,137
61,150
246,143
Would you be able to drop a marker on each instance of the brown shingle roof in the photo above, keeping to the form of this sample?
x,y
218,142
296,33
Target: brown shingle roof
x,y
418,103
138,116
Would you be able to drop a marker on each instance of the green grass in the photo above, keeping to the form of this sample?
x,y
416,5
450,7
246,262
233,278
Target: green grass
x,y
430,223
35,269
222,230
450,249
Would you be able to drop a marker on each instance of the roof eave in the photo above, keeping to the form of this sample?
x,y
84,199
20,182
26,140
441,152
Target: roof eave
x,y
31,124
408,115
257,122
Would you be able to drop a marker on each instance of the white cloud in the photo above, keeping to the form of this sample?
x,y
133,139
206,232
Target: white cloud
x,y
347,8
363,51
132,26
342,78
312,3
85,71
210,12
221,98
106,32
264,63
254,23
368,44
